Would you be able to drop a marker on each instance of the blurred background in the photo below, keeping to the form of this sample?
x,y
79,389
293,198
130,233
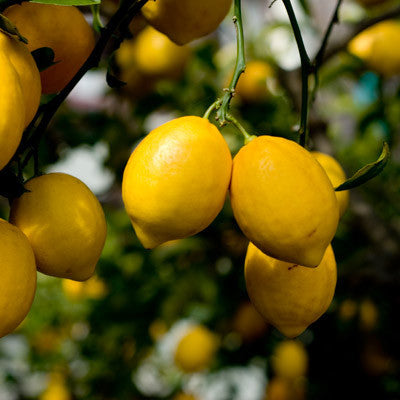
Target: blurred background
x,y
176,322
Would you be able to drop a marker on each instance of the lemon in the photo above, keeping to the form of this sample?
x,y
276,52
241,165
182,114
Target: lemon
x,y
283,200
27,71
93,288
184,396
278,389
336,175
287,295
248,322
252,84
17,277
184,21
290,359
176,180
57,388
374,46
63,29
12,108
369,315
196,350
64,223
347,310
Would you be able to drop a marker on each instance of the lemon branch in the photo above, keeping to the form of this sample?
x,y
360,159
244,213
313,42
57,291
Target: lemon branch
x,y
33,133
222,109
247,137
305,72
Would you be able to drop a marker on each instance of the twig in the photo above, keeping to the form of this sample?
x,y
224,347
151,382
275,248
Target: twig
x,y
239,67
305,72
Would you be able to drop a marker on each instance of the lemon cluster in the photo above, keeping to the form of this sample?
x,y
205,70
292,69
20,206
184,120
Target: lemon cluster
x,y
57,226
176,181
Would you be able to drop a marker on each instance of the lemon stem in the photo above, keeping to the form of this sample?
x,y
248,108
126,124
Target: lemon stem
x,y
214,106
239,67
247,137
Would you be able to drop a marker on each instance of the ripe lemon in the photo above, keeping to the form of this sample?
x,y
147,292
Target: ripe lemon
x,y
278,389
27,71
290,359
196,350
176,180
17,277
369,315
12,106
63,29
184,21
93,288
375,47
336,175
64,223
156,55
252,84
56,389
289,296
283,200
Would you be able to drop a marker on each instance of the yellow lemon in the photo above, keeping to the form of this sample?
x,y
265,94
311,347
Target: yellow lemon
x,y
249,323
336,175
63,29
290,359
12,106
252,84
27,71
64,223
347,310
369,315
196,350
278,389
176,180
56,389
156,55
287,295
184,21
375,47
283,200
17,277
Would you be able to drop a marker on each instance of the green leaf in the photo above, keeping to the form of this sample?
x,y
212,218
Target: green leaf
x,y
8,27
367,172
44,58
68,2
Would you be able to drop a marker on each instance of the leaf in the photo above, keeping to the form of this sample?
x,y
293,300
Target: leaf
x,y
44,58
114,82
367,172
68,2
8,27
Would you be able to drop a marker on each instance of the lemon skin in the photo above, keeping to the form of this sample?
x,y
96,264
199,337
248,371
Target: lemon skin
x,y
289,296
64,223
283,200
17,277
176,180
63,29
184,21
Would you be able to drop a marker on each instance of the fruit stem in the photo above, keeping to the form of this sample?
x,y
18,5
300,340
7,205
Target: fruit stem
x,y
247,137
305,72
214,106
239,67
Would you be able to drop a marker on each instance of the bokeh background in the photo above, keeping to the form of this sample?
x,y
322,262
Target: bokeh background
x,y
115,336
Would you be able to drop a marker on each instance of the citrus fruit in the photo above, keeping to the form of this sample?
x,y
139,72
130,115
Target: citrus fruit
x,y
184,396
252,84
176,180
336,175
56,388
184,21
64,223
369,315
196,350
283,200
374,46
93,288
63,29
12,108
27,71
156,55
290,359
287,295
248,322
17,277
278,389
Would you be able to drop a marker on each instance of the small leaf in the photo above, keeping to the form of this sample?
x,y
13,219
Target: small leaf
x,y
367,172
97,24
44,58
68,2
114,82
8,27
